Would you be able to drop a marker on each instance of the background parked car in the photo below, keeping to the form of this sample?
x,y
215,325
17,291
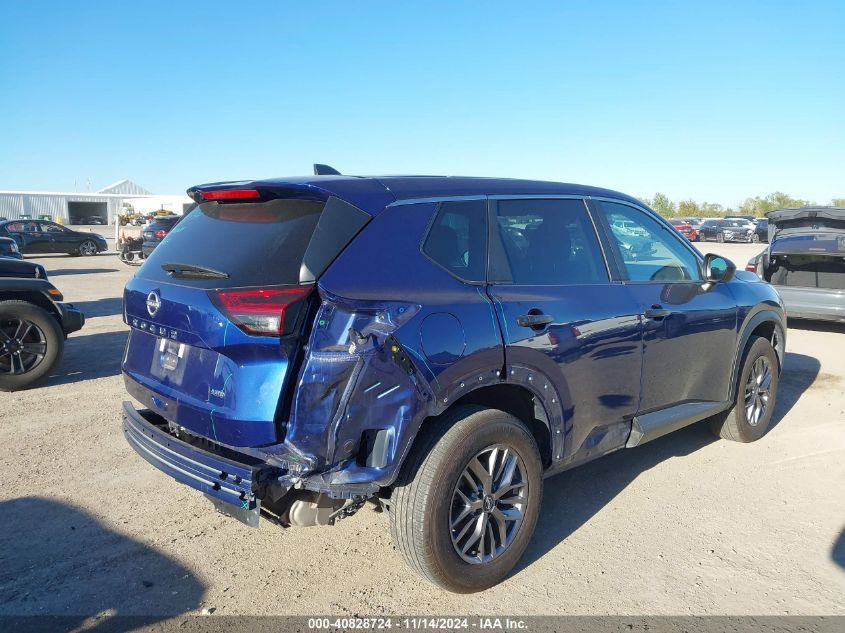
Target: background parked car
x,y
739,230
747,218
711,230
95,219
156,231
761,231
38,236
33,324
805,261
685,228
9,248
694,222
726,231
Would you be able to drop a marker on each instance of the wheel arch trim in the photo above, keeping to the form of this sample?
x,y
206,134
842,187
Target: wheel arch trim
x,y
763,314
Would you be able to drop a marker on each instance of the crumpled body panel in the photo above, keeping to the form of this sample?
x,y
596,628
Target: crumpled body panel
x,y
356,377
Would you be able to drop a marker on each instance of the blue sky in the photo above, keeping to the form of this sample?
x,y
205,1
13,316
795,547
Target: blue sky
x,y
709,100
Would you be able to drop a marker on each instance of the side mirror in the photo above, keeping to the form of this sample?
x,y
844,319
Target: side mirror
x,y
717,269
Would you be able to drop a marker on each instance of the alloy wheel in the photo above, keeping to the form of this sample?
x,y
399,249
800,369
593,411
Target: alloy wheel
x,y
23,346
757,391
488,504
88,248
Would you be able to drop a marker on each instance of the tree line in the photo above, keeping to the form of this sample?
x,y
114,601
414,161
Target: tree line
x,y
757,206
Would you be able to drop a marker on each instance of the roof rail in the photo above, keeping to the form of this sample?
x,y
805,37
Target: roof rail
x,y
325,170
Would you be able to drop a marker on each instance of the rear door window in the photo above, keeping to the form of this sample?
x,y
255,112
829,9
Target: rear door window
x,y
550,242
255,244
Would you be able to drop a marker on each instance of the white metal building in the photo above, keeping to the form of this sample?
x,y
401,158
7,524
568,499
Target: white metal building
x,y
76,208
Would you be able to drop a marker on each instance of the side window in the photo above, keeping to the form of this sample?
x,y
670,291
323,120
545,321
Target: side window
x,y
550,242
457,239
52,228
649,250
15,227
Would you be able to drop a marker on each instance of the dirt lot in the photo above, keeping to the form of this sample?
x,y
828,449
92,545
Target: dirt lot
x,y
683,525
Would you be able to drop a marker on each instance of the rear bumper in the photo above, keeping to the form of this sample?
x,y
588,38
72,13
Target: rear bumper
x,y
813,303
232,481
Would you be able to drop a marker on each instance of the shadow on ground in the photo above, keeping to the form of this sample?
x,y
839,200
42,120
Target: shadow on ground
x,y
838,551
58,560
89,356
101,307
799,373
572,498
108,253
815,326
78,271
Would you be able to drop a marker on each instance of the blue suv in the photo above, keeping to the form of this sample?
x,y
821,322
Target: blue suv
x,y
433,345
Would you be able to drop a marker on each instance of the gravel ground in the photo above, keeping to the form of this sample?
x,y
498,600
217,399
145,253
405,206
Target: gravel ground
x,y
683,525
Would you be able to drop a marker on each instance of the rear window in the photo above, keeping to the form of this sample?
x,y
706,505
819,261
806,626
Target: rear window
x,y
163,222
256,244
457,239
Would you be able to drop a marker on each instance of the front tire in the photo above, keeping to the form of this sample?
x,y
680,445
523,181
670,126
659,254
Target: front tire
x,y
87,248
467,500
31,343
756,393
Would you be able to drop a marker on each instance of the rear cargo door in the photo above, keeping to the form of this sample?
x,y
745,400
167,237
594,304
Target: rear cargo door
x,y
217,314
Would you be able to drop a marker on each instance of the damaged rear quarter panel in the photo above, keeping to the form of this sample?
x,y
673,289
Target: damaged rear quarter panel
x,y
448,343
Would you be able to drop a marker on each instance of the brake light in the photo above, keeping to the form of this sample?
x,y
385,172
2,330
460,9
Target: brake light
x,y
752,268
160,234
231,194
261,311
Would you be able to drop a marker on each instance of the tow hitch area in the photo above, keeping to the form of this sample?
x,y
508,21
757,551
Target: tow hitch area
x,y
243,513
230,480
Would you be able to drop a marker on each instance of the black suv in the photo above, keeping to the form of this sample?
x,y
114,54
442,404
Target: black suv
x,y
33,324
436,346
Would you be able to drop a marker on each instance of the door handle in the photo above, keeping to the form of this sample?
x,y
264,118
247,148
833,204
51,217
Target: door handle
x,y
534,320
656,312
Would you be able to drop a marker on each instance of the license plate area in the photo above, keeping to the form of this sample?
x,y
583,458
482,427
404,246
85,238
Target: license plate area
x,y
243,513
169,360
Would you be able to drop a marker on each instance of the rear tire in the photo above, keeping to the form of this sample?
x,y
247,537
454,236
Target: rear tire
x,y
756,394
45,335
435,512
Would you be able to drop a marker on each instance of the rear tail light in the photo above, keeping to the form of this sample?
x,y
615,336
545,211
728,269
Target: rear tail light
x,y
752,268
160,234
261,311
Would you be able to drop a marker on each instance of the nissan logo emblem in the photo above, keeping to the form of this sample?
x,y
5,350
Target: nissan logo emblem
x,y
153,303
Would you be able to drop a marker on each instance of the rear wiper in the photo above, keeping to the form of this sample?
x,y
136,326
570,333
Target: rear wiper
x,y
192,271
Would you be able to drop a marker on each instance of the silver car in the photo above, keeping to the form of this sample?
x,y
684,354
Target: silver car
x,y
805,261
